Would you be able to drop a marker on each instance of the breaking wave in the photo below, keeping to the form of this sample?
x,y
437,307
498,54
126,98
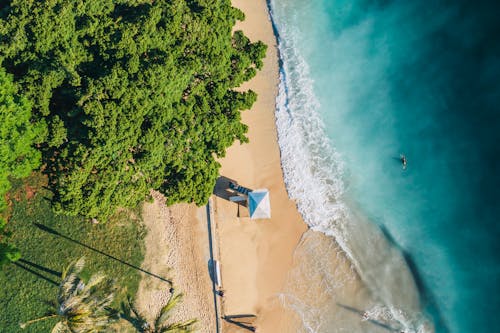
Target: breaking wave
x,y
314,175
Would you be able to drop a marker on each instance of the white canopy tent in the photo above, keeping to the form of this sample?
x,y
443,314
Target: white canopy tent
x,y
259,205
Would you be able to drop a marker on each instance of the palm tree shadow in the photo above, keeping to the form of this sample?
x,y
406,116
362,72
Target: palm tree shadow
x,y
36,273
160,323
56,233
40,267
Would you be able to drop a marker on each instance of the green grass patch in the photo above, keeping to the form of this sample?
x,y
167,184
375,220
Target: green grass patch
x,y
23,293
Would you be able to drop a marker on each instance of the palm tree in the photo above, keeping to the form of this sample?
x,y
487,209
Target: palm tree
x,y
160,324
81,307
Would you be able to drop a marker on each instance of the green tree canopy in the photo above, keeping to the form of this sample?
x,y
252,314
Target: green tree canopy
x,y
136,94
18,157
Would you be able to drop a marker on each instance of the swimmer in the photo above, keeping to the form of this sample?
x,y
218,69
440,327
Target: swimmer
x,y
402,158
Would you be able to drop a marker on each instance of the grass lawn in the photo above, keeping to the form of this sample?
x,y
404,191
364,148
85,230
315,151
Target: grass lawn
x,y
28,284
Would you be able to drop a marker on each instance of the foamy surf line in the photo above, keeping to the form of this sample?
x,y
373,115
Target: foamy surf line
x,y
312,169
313,173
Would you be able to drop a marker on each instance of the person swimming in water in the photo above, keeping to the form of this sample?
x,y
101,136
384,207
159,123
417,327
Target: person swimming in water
x,y
402,158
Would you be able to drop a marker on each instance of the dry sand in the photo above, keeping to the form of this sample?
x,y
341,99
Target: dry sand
x,y
177,249
256,255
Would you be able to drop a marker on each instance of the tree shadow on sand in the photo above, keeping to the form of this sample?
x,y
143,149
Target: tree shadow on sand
x,y
237,320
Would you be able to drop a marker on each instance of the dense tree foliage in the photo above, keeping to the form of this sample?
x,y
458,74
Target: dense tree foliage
x,y
17,155
135,94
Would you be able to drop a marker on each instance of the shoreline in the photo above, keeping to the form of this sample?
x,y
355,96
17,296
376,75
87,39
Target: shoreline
x,y
295,259
257,255
358,289
261,260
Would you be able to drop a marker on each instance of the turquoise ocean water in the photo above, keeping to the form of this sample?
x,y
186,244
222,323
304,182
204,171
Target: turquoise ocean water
x,y
364,81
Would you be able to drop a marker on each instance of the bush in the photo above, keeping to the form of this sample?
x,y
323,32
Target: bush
x,y
137,95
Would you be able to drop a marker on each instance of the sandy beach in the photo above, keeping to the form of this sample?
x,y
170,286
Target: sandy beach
x,y
265,264
255,255
177,249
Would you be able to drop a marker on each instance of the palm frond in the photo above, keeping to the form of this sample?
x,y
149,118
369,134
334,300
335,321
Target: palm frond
x,y
160,324
165,311
29,322
82,308
60,328
95,280
131,307
133,316
184,327
70,280
85,306
136,313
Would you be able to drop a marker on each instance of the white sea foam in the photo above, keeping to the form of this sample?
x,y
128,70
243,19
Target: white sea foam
x,y
314,175
397,319
312,169
317,282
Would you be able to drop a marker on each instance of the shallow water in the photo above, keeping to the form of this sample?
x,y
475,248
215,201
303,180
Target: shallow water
x,y
364,81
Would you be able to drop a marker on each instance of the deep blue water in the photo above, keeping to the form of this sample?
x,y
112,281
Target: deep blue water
x,y
420,78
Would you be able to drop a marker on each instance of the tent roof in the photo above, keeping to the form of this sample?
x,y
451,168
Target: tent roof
x,y
259,205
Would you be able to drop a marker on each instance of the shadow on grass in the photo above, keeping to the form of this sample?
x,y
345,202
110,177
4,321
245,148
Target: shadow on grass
x,y
40,267
56,233
36,273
